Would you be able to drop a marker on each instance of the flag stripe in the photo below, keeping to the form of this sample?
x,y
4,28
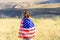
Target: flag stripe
x,y
26,33
27,36
27,28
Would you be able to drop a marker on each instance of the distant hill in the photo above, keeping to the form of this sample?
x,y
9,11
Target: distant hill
x,y
14,5
13,9
36,10
6,5
25,4
55,5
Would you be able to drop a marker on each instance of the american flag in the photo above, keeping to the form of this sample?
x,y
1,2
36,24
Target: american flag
x,y
27,29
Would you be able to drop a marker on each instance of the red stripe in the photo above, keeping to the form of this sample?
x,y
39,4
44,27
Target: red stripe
x,y
27,31
26,36
21,26
21,22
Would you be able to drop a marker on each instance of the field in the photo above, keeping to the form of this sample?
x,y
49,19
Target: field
x,y
46,28
56,5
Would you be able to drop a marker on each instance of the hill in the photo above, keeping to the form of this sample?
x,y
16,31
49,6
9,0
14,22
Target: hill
x,y
41,10
55,5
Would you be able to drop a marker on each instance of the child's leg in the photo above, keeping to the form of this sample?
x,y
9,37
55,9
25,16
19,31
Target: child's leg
x,y
30,38
27,38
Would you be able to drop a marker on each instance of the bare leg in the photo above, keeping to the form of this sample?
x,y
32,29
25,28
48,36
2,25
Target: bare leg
x,y
27,39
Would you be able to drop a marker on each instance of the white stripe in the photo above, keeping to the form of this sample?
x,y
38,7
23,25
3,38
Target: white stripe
x,y
27,28
21,25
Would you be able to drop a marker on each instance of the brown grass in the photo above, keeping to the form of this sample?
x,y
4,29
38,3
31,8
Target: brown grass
x,y
46,29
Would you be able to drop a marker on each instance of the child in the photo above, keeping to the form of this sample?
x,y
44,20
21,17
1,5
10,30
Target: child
x,y
27,29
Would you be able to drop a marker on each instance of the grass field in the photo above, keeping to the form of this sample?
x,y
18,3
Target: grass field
x,y
46,29
54,5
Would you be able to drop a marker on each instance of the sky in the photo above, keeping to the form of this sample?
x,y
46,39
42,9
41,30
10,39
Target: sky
x,y
32,1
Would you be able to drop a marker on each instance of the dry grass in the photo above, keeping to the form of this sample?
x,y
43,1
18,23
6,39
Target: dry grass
x,y
56,5
46,29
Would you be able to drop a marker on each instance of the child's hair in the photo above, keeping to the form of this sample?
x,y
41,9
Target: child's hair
x,y
26,14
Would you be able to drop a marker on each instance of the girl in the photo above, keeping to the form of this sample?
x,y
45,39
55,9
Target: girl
x,y
27,29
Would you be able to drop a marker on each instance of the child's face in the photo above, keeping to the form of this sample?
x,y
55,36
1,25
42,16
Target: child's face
x,y
27,15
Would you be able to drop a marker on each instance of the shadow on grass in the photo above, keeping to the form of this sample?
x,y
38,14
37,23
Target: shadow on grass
x,y
36,12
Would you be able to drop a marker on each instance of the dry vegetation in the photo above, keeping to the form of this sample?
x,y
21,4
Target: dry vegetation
x,y
46,29
55,5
